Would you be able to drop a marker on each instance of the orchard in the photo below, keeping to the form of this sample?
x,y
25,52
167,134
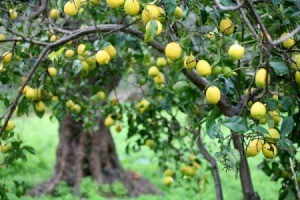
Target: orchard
x,y
210,86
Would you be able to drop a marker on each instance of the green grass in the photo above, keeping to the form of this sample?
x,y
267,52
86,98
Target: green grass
x,y
42,134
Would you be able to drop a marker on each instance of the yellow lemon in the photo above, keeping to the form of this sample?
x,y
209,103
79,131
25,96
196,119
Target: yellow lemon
x,y
71,8
288,43
109,121
10,126
13,14
37,93
276,117
69,53
254,147
261,77
111,50
173,51
150,11
29,93
115,3
153,71
167,181
297,77
162,15
269,150
54,13
169,172
102,57
258,110
236,51
4,149
213,95
52,71
81,49
161,62
226,26
40,106
178,12
190,62
160,78
54,99
159,27
273,134
118,128
150,143
203,68
132,7
7,57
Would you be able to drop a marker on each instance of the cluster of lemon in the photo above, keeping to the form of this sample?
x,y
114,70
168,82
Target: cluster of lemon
x,y
73,107
110,121
143,105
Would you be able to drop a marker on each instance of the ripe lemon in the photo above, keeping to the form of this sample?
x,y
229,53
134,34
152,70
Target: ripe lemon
x,y
173,51
190,62
153,71
297,77
81,49
4,149
261,77
187,170
77,108
109,121
226,26
169,172
10,126
288,43
213,95
236,51
25,89
101,95
162,15
273,134
40,106
54,99
150,143
54,13
115,3
102,57
254,147
52,71
111,50
37,93
276,117
159,27
69,53
150,11
53,38
161,62
269,150
29,93
132,7
7,57
13,14
160,78
167,181
203,68
71,8
258,110
178,12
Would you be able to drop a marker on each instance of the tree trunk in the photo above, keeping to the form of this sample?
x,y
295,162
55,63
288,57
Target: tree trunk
x,y
80,154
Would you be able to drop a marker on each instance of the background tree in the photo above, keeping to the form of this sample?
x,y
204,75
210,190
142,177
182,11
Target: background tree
x,y
70,61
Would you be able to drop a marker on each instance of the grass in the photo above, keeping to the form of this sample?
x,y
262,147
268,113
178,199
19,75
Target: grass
x,y
42,134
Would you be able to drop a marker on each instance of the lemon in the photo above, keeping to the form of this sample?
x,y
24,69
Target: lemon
x,y
101,95
111,50
10,126
254,147
288,43
213,95
4,149
160,78
297,77
216,70
29,93
236,51
13,14
262,120
150,143
153,71
37,93
7,57
40,106
81,49
118,128
53,38
2,37
269,150
178,12
115,3
258,110
54,13
187,170
102,57
54,99
167,181
261,77
203,68
161,62
226,26
190,62
25,89
150,11
71,8
52,71
276,117
109,121
169,172
227,72
77,108
162,15
173,51
159,27
132,7
69,53
273,134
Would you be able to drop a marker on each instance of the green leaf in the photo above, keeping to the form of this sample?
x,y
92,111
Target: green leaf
x,y
272,104
170,6
77,66
100,44
277,2
286,103
260,129
213,129
279,67
151,31
287,125
237,124
204,15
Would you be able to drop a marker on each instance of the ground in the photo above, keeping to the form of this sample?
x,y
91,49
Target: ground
x,y
43,136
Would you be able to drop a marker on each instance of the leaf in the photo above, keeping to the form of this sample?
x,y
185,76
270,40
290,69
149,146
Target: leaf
x,y
204,15
151,31
276,2
279,67
100,44
287,125
170,6
212,129
272,104
286,103
77,66
59,52
237,124
260,129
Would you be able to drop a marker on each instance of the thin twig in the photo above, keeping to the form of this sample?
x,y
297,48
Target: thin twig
x,y
295,178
